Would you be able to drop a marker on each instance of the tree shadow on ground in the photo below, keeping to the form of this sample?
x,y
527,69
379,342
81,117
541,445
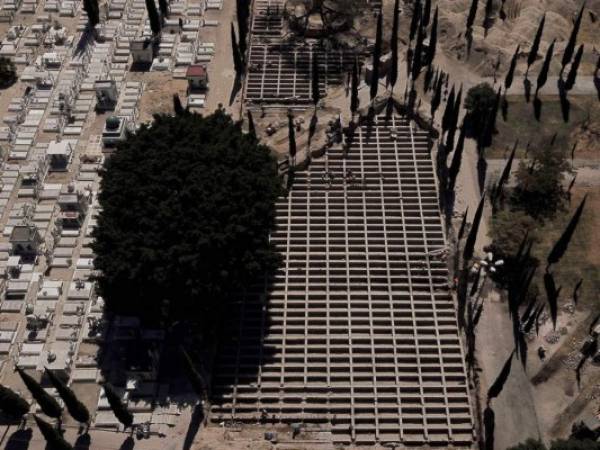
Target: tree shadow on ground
x,y
197,418
83,442
128,444
19,440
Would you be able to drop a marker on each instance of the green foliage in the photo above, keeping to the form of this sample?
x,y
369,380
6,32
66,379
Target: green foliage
x,y
164,7
46,402
8,73
508,228
539,190
479,103
529,444
76,409
187,207
12,404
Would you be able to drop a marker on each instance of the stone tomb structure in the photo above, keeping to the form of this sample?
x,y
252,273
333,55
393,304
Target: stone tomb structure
x,y
356,336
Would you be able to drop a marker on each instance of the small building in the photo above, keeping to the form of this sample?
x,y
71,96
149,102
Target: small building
x,y
60,154
25,241
114,131
106,95
73,207
197,77
141,50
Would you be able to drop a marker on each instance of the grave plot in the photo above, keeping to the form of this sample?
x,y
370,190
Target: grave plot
x,y
282,73
356,336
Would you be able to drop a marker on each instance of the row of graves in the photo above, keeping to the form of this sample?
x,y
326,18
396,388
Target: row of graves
x,y
53,316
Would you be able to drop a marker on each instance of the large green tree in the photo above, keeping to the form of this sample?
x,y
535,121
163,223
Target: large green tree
x,y
187,207
479,103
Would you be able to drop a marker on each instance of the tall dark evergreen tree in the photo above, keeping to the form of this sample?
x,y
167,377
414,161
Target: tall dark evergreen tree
x,y
488,19
153,17
415,19
237,59
498,384
457,158
196,380
12,404
164,8
472,237
426,13
570,82
76,409
560,247
52,436
177,106
511,69
243,14
449,111
437,97
472,14
417,60
316,94
570,47
354,101
376,59
46,402
117,406
93,12
291,136
463,224
543,75
251,127
535,46
432,38
393,72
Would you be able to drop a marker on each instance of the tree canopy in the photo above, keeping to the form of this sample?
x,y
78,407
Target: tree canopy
x,y
8,73
479,103
187,206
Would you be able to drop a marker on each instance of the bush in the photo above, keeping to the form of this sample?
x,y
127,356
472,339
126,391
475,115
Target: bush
x,y
187,206
479,103
539,182
574,444
8,73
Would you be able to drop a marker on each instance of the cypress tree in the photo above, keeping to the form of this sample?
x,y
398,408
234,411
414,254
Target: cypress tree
x,y
457,158
164,8
316,94
574,67
177,106
376,59
237,60
463,224
291,136
415,19
511,69
193,376
560,247
251,128
47,403
76,409
52,436
242,14
449,111
570,48
393,73
426,13
552,294
433,38
12,404
498,384
487,19
417,60
93,12
472,14
153,17
354,100
535,46
437,97
543,75
117,406
505,174
472,237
